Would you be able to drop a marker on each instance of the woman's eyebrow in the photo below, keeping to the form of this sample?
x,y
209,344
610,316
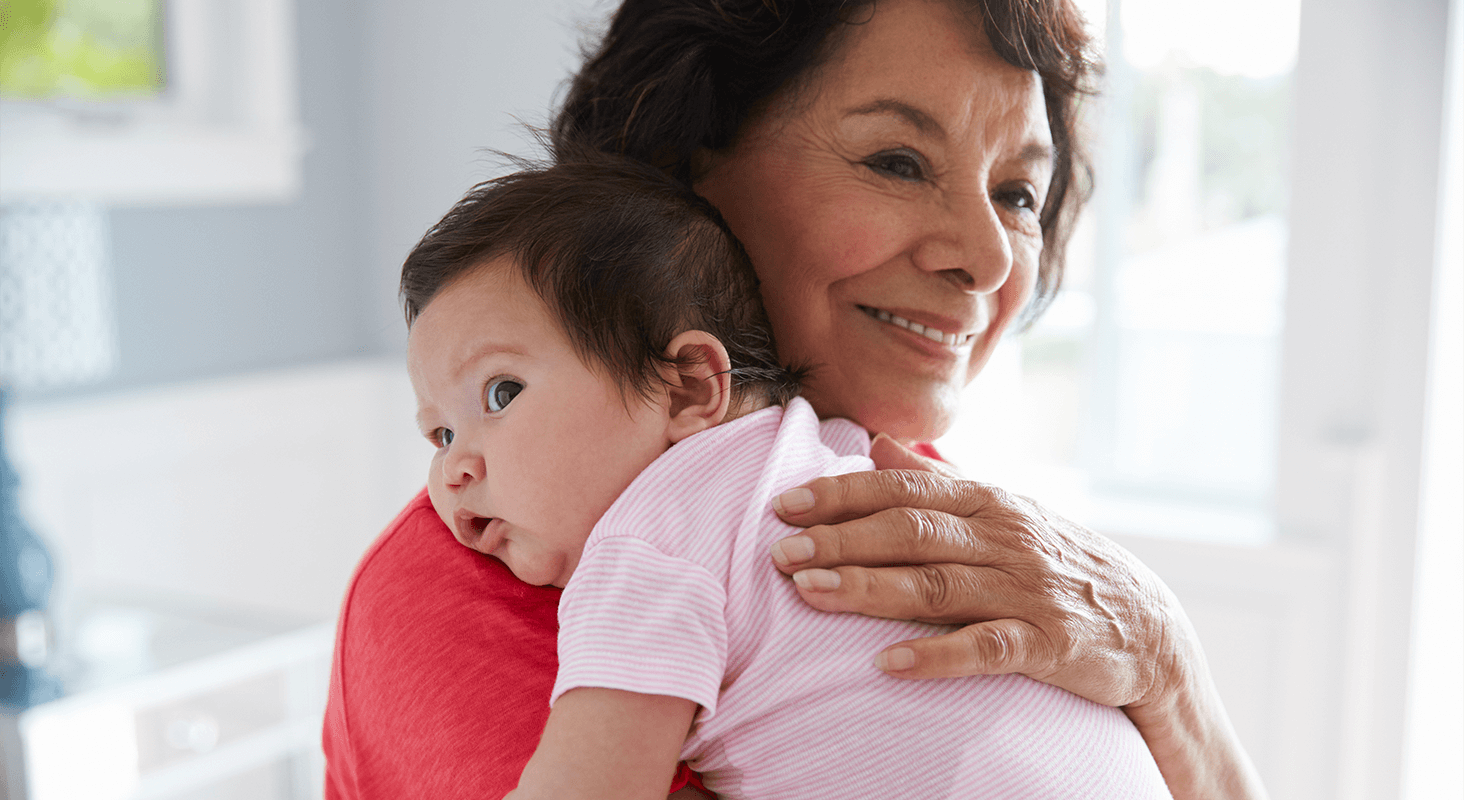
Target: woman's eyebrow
x,y
1038,152
1032,152
921,121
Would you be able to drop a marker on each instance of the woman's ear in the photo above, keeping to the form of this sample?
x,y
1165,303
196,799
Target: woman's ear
x,y
699,386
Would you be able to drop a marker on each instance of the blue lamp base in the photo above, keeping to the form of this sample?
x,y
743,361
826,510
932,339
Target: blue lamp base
x,y
25,585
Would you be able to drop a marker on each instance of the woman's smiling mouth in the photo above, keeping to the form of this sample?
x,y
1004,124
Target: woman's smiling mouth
x,y
933,334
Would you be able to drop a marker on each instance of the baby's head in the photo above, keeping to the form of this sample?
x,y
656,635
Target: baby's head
x,y
567,325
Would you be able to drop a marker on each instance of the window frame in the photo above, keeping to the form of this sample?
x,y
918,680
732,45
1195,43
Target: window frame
x,y
225,130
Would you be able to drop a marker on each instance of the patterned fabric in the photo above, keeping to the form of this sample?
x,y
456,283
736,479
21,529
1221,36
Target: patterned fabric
x,y
675,595
439,688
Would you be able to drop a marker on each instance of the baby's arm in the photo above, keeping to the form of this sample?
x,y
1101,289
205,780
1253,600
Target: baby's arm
x,y
607,743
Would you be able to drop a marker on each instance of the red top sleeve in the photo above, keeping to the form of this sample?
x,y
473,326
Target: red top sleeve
x,y
928,450
443,666
442,671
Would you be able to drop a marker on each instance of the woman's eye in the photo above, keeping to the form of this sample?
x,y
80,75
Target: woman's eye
x,y
1023,197
501,392
903,164
442,437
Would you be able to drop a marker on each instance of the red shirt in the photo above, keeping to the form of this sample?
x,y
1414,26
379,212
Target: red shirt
x,y
443,666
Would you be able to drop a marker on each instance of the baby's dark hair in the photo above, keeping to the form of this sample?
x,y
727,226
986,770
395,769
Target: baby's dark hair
x,y
624,256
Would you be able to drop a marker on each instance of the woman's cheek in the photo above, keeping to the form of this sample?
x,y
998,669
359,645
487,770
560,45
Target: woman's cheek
x,y
1026,262
869,235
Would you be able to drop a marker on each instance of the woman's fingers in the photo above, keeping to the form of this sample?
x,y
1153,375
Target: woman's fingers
x,y
1094,669
890,454
838,498
997,647
938,593
892,537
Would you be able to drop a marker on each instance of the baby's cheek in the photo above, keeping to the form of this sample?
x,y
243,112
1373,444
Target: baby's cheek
x,y
435,494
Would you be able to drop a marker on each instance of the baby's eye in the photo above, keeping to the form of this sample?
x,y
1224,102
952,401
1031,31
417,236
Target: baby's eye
x,y
501,392
903,163
441,437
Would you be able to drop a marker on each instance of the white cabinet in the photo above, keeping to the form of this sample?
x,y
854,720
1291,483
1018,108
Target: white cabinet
x,y
190,703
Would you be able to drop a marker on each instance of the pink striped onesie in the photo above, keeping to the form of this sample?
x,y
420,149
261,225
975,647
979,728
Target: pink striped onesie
x,y
676,595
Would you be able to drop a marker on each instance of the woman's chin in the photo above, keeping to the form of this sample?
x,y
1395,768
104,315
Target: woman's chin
x,y
908,419
909,429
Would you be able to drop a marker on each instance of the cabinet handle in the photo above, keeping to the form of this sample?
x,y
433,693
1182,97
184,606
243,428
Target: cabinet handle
x,y
197,734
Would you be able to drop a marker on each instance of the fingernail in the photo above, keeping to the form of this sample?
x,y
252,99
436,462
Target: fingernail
x,y
817,580
793,501
895,659
793,550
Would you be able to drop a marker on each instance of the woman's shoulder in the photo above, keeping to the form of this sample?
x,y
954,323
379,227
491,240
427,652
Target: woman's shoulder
x,y
416,568
443,666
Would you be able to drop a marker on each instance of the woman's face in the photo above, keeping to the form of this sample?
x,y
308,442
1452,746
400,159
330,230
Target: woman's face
x,y
890,204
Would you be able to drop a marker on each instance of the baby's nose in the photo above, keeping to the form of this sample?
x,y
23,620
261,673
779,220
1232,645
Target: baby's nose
x,y
462,465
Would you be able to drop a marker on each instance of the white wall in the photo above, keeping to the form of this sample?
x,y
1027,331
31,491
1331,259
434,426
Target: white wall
x,y
258,491
1435,732
449,81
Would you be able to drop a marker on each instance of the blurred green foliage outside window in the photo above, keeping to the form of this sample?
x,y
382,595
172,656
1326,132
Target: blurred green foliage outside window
x,y
81,49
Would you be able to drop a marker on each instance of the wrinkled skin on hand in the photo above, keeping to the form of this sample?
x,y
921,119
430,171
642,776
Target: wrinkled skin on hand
x,y
1036,594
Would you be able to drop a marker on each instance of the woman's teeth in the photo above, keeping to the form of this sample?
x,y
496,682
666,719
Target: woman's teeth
x,y
951,339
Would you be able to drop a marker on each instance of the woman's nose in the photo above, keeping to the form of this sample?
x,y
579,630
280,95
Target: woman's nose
x,y
969,245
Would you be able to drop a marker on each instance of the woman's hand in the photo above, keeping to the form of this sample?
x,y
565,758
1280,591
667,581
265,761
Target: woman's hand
x,y
1037,595
1042,596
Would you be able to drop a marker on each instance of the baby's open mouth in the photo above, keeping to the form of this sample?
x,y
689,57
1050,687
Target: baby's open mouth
x,y
951,339
471,526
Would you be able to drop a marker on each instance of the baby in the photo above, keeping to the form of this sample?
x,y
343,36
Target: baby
x,y
591,359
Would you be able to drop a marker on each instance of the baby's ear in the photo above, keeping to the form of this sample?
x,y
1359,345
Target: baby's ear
x,y
699,386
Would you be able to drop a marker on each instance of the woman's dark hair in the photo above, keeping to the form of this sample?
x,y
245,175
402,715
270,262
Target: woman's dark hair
x,y
674,77
627,259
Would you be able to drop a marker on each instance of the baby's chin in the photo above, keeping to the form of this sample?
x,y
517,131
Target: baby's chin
x,y
551,572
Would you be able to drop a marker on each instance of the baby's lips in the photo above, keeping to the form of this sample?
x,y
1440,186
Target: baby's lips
x,y
468,527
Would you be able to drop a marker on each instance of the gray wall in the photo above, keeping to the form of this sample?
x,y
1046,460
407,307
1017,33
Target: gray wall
x,y
399,99
450,80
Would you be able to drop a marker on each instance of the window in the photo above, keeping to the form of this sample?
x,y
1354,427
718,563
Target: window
x,y
1147,394
80,119
82,49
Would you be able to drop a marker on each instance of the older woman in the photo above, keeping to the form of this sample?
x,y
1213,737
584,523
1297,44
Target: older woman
x,y
904,175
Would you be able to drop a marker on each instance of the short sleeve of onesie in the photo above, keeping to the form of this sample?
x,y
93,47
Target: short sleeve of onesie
x,y
636,619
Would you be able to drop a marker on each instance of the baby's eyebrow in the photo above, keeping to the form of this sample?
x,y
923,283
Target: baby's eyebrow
x,y
486,350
